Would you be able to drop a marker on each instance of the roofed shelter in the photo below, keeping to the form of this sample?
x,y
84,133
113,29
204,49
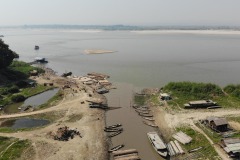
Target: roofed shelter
x,y
218,124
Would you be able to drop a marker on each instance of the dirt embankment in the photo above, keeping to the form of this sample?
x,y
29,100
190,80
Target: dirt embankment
x,y
76,115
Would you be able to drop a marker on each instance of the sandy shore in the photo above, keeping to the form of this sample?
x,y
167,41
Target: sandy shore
x,y
210,32
90,123
97,51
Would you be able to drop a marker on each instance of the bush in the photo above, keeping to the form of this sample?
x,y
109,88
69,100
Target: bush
x,y
200,90
13,89
233,90
18,98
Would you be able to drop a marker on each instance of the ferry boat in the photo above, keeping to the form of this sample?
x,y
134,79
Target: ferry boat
x,y
157,144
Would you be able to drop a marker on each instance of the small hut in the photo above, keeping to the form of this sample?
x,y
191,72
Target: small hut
x,y
218,124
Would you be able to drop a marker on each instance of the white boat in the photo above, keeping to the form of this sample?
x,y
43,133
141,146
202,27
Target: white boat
x,y
157,144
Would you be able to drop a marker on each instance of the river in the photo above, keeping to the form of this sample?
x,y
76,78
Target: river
x,y
142,59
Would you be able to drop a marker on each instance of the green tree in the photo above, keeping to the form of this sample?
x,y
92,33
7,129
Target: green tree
x,y
6,55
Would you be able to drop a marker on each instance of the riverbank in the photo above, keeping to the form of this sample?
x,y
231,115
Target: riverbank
x,y
75,113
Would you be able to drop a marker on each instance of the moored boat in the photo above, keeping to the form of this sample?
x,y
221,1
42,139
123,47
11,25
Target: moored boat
x,y
115,134
36,47
113,126
113,129
116,148
145,115
150,124
144,112
148,118
157,144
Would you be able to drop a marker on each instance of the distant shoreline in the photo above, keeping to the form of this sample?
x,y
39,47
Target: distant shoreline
x,y
213,32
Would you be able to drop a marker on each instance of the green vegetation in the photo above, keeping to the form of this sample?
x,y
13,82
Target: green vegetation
x,y
199,140
214,136
6,55
15,150
24,68
23,93
194,90
233,90
183,92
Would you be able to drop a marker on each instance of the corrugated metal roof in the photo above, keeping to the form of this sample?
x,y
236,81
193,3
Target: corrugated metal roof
x,y
233,147
231,140
182,137
218,121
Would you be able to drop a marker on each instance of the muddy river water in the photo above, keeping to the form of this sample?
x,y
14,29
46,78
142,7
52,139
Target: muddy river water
x,y
134,135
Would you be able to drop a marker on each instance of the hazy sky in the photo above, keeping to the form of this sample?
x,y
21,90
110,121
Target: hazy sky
x,y
127,12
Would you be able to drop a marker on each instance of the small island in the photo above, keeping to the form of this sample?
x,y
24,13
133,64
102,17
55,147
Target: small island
x,y
97,51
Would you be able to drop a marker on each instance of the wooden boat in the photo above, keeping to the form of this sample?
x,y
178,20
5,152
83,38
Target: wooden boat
x,y
148,118
116,148
144,112
145,115
143,109
135,106
113,130
157,143
150,124
113,126
36,47
115,134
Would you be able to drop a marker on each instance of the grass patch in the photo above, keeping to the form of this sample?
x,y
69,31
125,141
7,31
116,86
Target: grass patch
x,y
16,150
4,142
198,140
214,136
183,92
31,91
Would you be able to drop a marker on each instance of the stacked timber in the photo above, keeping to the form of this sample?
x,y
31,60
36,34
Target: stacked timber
x,y
174,148
130,154
182,137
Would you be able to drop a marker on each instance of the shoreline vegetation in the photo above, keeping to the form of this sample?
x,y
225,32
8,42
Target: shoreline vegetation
x,y
69,107
171,117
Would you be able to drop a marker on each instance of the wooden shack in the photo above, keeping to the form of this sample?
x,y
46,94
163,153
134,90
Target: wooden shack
x,y
217,124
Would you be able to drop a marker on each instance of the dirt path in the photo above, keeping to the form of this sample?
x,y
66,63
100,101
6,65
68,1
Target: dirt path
x,y
216,146
90,123
167,120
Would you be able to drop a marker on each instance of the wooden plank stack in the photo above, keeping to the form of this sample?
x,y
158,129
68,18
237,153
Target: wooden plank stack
x,y
182,137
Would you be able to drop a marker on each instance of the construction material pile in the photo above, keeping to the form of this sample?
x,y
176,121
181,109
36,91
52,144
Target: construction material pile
x,y
64,133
